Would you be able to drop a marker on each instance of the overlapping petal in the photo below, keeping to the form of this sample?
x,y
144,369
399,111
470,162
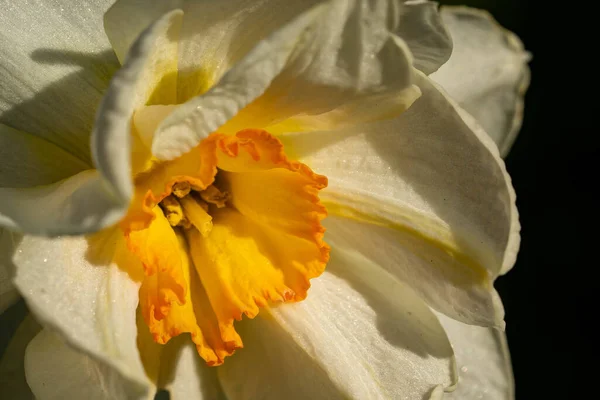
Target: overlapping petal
x,y
483,362
93,199
79,292
56,65
13,384
185,375
422,28
48,361
430,188
358,335
487,73
8,293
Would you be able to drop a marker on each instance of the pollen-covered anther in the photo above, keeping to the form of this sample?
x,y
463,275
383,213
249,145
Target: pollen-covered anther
x,y
181,189
173,210
215,196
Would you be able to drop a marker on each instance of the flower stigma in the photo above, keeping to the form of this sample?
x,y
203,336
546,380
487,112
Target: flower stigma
x,y
229,227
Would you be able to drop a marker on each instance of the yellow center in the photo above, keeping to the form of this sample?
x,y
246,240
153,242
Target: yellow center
x,y
229,227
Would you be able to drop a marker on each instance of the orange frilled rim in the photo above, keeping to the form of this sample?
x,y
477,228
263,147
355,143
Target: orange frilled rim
x,y
263,248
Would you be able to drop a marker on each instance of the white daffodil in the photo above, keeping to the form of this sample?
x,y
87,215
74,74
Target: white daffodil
x,y
224,133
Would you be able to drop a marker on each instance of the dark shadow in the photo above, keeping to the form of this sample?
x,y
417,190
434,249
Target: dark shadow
x,y
13,316
64,111
10,320
162,395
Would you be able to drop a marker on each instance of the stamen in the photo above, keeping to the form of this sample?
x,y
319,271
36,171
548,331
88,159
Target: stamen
x,y
181,189
214,196
196,213
172,209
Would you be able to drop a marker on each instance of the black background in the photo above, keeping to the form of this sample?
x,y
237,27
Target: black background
x,y
549,293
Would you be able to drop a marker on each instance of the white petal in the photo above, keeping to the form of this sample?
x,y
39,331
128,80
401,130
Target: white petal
x,y
8,292
55,371
422,29
90,200
215,35
151,58
27,160
324,61
87,300
75,205
191,122
483,362
447,281
429,172
12,366
185,375
487,73
127,19
359,336
55,63
348,55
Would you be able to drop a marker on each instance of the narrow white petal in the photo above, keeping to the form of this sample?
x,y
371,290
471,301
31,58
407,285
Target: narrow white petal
x,y
80,294
55,371
185,375
487,73
8,293
55,64
422,29
430,171
12,366
360,334
151,58
483,362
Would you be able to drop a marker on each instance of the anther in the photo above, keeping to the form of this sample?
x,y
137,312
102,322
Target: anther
x,y
214,196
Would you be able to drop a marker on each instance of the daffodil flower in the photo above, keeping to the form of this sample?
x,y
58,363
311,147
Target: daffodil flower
x,y
164,210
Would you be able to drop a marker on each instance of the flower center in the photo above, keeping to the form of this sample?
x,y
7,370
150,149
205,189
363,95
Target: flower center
x,y
188,207
229,227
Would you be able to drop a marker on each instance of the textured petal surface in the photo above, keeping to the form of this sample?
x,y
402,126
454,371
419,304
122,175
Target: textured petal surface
x,y
75,205
432,172
191,122
27,160
8,293
143,79
185,375
56,371
215,35
90,200
13,384
73,287
55,65
354,337
487,73
347,57
422,28
483,362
